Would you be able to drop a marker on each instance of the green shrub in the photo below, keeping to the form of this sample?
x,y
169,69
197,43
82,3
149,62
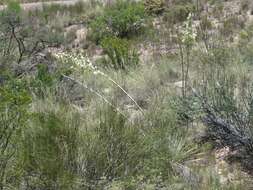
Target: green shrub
x,y
14,102
120,53
49,147
43,75
122,19
178,13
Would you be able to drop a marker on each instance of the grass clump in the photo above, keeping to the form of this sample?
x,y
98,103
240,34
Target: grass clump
x,y
49,148
111,149
120,52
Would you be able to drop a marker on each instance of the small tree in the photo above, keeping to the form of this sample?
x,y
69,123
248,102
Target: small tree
x,y
20,35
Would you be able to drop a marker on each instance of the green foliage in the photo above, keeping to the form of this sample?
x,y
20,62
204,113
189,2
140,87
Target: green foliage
x,y
43,80
14,101
43,75
122,19
49,148
120,52
9,18
111,149
166,146
14,6
178,13
187,109
14,93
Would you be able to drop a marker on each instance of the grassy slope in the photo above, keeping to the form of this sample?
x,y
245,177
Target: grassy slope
x,y
147,148
29,1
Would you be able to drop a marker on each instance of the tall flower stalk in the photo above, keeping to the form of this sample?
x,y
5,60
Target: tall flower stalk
x,y
84,63
187,38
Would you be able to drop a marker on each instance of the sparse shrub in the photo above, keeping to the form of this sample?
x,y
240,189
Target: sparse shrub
x,y
218,10
246,5
23,40
205,30
205,23
232,24
120,53
178,13
154,6
122,19
225,98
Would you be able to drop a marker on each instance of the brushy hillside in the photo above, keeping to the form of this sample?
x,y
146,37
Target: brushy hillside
x,y
127,95
2,2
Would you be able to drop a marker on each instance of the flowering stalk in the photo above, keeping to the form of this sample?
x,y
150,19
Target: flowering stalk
x,y
95,92
186,41
84,63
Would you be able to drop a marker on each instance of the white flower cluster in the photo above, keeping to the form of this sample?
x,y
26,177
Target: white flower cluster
x,y
78,61
188,33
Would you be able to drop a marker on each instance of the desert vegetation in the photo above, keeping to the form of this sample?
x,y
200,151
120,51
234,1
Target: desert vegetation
x,y
126,95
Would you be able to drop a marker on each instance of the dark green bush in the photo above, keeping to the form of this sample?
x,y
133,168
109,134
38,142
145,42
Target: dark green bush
x,y
120,53
122,19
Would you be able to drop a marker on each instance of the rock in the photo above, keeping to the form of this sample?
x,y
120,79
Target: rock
x,y
81,34
136,116
187,174
178,84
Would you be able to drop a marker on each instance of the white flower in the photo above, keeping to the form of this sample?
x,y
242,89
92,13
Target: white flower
x,y
188,33
79,62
